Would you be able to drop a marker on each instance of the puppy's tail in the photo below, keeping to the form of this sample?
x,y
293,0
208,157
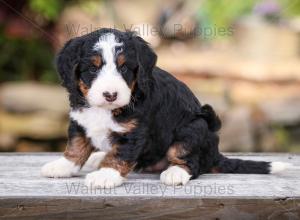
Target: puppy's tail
x,y
228,165
212,119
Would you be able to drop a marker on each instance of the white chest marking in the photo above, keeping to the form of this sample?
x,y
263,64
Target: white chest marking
x,y
97,123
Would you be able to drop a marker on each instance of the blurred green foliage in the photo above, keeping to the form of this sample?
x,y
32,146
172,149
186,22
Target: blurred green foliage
x,y
31,57
282,136
50,10
223,13
26,59
290,7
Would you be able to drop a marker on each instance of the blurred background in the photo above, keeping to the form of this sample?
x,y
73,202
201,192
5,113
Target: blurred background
x,y
242,57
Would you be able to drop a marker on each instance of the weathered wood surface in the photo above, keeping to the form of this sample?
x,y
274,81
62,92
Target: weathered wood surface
x,y
24,194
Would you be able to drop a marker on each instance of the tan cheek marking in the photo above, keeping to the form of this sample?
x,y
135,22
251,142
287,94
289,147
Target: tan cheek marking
x,y
78,150
96,60
129,125
112,161
121,59
174,154
117,111
133,85
83,88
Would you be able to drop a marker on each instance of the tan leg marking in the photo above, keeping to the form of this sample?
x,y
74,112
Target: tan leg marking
x,y
174,155
78,150
112,161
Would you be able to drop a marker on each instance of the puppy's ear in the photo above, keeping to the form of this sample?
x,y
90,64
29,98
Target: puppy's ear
x,y
66,63
146,59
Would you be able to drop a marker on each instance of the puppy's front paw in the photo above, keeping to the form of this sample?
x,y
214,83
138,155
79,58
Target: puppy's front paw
x,y
175,175
59,168
104,178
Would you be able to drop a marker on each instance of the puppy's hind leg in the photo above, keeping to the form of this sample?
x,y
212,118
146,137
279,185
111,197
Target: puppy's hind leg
x,y
183,155
178,173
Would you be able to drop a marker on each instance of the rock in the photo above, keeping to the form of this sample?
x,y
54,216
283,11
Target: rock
x,y
253,93
208,91
284,111
237,131
177,20
256,38
40,125
32,97
7,142
134,7
148,33
32,110
27,146
227,64
78,20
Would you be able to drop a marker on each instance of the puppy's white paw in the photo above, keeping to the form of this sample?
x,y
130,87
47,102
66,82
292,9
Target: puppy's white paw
x,y
104,178
175,175
94,161
60,168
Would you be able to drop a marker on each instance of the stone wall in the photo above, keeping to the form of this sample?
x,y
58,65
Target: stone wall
x,y
255,117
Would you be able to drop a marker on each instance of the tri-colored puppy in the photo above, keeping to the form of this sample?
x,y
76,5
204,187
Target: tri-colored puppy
x,y
127,114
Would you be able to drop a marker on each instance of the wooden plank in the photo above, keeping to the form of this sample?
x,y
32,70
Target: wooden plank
x,y
148,208
25,194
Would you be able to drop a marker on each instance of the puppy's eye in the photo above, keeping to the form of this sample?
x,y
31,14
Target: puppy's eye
x,y
119,50
95,63
93,69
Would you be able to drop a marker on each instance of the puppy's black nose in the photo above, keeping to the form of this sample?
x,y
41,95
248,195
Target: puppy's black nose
x,y
110,97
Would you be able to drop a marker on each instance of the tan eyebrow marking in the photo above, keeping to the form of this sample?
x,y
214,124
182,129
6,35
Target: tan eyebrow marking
x,y
121,59
96,60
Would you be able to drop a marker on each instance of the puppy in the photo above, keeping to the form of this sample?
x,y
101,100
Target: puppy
x,y
127,114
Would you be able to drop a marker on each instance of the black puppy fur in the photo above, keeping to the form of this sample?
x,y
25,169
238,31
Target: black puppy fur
x,y
165,109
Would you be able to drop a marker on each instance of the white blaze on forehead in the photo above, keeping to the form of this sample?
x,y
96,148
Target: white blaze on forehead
x,y
107,43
